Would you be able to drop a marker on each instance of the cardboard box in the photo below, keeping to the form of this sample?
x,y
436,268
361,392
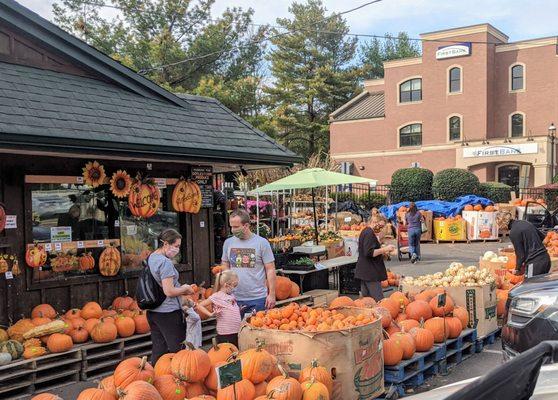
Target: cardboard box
x,y
351,246
322,297
479,301
354,355
553,264
492,266
450,230
481,225
510,253
335,248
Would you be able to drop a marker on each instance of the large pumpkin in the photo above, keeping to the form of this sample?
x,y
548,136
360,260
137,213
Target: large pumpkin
x,y
342,301
170,387
257,364
438,327
295,290
211,381
424,339
163,365
36,255
418,309
46,396
125,326
284,388
43,311
393,351
400,299
139,390
454,327
108,385
220,352
365,302
142,325
131,370
91,310
59,343
408,324
407,343
463,315
391,305
144,198
110,261
317,373
96,394
124,303
444,310
186,196
243,390
384,315
282,288
104,332
190,365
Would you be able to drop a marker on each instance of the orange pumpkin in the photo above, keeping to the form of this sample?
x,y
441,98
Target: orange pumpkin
x,y
35,255
418,309
407,343
191,365
468,207
384,315
463,315
79,335
142,325
86,262
399,298
454,327
195,389
489,209
144,198
186,196
257,364
260,389
284,388
220,352
90,324
240,390
424,339
393,351
163,364
502,298
104,332
131,370
365,302
96,394
342,301
110,261
46,396
139,390
313,389
59,343
211,381
125,326
438,327
477,207
169,387
282,288
295,290
73,313
40,321
319,374
124,303
391,306
408,324
393,329
108,385
441,311
91,310
43,311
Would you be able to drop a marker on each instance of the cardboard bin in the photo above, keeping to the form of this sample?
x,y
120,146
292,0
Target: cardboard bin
x,y
481,225
450,230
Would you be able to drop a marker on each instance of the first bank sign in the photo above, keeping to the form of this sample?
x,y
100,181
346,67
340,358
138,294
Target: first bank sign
x,y
454,50
498,151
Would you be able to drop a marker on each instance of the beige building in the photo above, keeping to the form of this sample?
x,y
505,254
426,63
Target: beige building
x,y
472,100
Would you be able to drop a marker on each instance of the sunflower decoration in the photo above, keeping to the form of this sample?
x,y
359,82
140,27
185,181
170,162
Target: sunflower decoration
x,y
94,174
120,184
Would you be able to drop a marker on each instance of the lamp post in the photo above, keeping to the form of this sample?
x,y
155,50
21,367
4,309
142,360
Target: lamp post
x,y
552,135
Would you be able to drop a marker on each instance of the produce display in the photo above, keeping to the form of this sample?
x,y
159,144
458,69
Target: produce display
x,y
456,275
523,202
551,243
392,280
493,257
354,227
479,207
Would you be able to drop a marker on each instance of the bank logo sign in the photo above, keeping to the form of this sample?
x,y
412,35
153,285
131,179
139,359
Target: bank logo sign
x,y
503,150
454,50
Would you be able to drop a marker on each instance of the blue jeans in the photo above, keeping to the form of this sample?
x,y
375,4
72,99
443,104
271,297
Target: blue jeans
x,y
247,306
414,241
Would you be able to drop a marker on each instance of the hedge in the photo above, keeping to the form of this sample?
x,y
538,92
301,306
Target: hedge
x,y
451,183
371,200
495,191
344,196
411,184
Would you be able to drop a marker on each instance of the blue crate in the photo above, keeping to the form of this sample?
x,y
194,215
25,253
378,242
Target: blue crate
x,y
480,343
407,368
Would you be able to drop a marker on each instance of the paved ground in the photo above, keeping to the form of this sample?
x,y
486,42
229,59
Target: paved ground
x,y
436,257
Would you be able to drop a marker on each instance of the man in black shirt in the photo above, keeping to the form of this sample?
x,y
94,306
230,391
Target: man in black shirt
x,y
530,252
370,267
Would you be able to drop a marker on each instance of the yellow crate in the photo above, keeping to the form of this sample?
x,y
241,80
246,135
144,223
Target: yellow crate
x,y
450,230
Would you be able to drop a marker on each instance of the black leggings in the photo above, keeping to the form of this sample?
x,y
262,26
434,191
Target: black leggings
x,y
232,339
168,331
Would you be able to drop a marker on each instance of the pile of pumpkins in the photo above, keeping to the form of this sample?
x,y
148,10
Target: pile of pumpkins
x,y
191,374
479,207
551,243
392,279
523,202
46,331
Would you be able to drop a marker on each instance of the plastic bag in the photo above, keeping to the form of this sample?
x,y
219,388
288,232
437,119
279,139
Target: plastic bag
x,y
193,327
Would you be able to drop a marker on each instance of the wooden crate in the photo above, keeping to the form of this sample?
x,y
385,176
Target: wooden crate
x,y
100,359
137,346
17,379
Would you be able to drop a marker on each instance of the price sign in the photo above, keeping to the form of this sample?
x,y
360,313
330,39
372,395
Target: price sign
x,y
11,222
57,246
229,374
9,275
79,179
80,245
347,219
320,266
48,247
442,300
101,243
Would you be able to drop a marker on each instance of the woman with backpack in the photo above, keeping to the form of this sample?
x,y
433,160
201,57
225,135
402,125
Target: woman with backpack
x,y
168,326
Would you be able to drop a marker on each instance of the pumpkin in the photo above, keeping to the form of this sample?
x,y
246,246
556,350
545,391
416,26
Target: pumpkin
x,y
142,325
275,370
220,352
91,310
489,209
139,390
131,370
441,311
257,364
77,323
477,207
59,343
3,335
418,310
17,330
33,351
125,326
108,385
391,306
393,329
312,390
169,387
400,299
438,327
426,295
211,379
408,324
463,315
454,327
295,290
46,396
5,358
260,389
195,389
144,198
186,196
243,390
43,311
124,303
110,313
393,351
86,262
110,261
202,397
35,255
90,324
40,321
384,315
282,288
502,298
79,335
190,365
424,339
365,302
342,301
163,365
284,387
96,394
12,347
73,313
407,343
104,332
317,373
468,207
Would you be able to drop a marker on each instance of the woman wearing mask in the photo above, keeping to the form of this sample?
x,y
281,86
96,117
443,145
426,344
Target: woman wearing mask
x,y
413,220
168,327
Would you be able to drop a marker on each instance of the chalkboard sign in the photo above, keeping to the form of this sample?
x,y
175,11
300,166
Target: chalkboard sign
x,y
229,374
203,176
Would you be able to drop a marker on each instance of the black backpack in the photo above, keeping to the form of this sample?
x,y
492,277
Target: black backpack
x,y
149,293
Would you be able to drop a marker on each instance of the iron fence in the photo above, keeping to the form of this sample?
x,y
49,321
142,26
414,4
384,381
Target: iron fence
x,y
363,194
549,195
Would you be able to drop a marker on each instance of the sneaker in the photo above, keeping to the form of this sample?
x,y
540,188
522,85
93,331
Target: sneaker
x,y
413,258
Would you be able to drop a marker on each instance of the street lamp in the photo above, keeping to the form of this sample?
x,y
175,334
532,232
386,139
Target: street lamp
x,y
552,135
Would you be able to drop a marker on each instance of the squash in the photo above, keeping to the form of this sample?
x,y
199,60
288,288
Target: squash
x,y
3,335
59,343
55,326
17,330
13,347
34,351
5,358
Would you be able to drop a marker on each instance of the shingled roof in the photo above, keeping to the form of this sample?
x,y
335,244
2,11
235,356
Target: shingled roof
x,y
365,105
124,112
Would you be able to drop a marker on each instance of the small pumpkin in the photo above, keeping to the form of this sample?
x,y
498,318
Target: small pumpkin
x,y
73,313
125,326
86,262
5,358
4,335
43,311
240,390
79,335
124,303
104,332
315,372
12,347
393,351
59,343
91,309
35,255
142,325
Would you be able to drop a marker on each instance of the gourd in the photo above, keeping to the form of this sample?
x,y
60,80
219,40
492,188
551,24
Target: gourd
x,y
3,335
45,329
5,358
34,351
13,347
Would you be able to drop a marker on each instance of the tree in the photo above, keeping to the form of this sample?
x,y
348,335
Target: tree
x,y
376,51
313,75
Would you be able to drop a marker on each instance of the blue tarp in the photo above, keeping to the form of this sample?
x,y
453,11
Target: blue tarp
x,y
438,207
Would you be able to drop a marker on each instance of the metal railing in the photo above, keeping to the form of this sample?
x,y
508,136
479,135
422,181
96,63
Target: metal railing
x,y
363,194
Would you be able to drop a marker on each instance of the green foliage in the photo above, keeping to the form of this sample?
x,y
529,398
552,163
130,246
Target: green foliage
x,y
371,200
344,196
555,179
375,52
495,191
451,183
411,184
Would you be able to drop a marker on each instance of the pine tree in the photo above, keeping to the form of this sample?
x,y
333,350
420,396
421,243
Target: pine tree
x,y
376,51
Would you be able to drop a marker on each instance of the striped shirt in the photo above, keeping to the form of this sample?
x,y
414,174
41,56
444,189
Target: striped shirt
x,y
227,313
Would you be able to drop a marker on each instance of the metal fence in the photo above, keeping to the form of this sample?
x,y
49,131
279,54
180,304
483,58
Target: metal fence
x,y
549,195
363,194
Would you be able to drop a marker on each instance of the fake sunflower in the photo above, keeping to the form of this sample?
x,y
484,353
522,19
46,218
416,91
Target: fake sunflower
x,y
120,184
94,174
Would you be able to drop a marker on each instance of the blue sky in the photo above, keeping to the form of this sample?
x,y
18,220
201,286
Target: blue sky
x,y
519,19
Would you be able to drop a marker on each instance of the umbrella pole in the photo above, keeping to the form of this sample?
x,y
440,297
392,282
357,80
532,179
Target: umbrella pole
x,y
315,216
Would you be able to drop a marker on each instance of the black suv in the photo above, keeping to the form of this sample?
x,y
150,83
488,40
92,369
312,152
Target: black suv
x,y
531,314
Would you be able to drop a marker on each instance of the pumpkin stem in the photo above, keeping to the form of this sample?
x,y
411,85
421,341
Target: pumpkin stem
x,y
282,370
143,362
215,344
188,346
314,363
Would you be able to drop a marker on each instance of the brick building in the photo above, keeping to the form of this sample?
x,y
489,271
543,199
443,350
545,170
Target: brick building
x,y
472,100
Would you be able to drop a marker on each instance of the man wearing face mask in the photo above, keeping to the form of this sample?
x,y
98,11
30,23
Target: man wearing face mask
x,y
251,258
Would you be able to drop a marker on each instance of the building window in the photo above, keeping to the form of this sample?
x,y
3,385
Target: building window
x,y
410,135
455,80
455,128
517,125
410,90
517,72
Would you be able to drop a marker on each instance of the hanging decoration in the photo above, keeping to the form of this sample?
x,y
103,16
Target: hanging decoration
x,y
3,264
86,262
186,196
36,256
15,267
110,261
120,184
94,174
144,198
2,217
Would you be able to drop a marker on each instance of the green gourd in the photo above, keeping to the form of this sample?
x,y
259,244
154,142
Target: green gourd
x,y
13,347
5,358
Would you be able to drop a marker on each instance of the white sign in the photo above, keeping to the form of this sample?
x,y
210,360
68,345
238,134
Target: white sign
x,y
131,230
100,243
48,247
161,182
117,223
9,275
61,234
501,150
11,222
202,224
454,50
80,245
57,246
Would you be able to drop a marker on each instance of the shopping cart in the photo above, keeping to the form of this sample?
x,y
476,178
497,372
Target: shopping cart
x,y
402,241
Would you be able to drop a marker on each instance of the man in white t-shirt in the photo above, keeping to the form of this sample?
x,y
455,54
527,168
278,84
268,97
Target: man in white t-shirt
x,y
251,257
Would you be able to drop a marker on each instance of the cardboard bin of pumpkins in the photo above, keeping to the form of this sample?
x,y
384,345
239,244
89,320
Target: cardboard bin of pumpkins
x,y
450,229
481,223
469,287
352,353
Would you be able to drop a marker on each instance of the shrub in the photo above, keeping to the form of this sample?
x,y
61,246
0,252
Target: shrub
x,y
344,196
451,183
555,179
411,184
495,191
371,200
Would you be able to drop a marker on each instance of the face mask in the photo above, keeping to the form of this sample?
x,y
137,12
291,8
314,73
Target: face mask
x,y
172,252
239,233
228,289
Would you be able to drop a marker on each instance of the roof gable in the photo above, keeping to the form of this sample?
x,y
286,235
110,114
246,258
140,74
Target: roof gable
x,y
364,106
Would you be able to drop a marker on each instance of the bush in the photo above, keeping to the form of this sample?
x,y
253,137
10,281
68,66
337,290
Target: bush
x,y
371,200
451,183
555,179
495,191
411,184
344,196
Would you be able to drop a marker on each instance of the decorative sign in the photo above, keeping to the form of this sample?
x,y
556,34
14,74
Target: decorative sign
x,y
160,182
131,230
11,222
454,50
229,374
80,245
203,176
60,234
501,150
57,246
